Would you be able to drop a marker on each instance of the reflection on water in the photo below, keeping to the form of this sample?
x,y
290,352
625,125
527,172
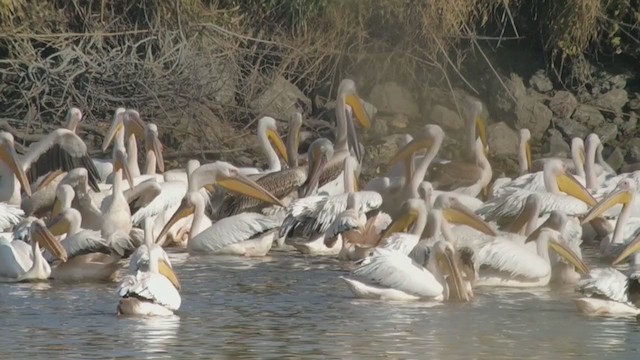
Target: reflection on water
x,y
297,306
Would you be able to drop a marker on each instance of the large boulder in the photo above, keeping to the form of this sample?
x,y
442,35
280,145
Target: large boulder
x,y
616,158
563,104
634,150
589,116
571,128
446,118
503,101
533,115
281,100
393,98
503,140
613,100
541,82
555,145
607,132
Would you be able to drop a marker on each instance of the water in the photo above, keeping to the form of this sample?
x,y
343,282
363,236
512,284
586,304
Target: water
x,y
295,306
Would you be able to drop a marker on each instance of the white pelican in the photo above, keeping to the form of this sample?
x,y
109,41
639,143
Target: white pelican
x,y
505,263
153,287
10,216
389,273
19,262
217,237
268,135
609,293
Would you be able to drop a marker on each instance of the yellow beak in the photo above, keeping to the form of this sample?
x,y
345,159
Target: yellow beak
x,y
243,185
276,140
121,164
481,130
569,185
449,266
632,248
411,148
623,197
571,257
167,271
358,110
460,214
185,209
527,149
45,239
401,223
116,125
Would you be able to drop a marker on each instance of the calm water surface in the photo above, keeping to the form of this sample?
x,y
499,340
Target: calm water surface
x,y
296,306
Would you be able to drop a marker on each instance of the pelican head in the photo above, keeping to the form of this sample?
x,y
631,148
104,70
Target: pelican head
x,y
557,244
64,196
77,178
348,96
624,193
187,207
64,222
231,179
525,140
320,151
453,211
10,158
474,110
117,124
448,266
133,123
268,126
44,238
557,180
152,142
72,119
429,136
409,215
425,190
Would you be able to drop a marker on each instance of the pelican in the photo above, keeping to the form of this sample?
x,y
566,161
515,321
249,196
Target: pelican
x,y
153,287
19,262
223,235
609,293
509,264
268,135
627,227
389,273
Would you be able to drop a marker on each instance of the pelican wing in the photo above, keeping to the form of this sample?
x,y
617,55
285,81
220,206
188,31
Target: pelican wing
x,y
607,282
401,242
63,150
510,204
347,220
504,255
171,193
152,287
395,270
10,216
231,230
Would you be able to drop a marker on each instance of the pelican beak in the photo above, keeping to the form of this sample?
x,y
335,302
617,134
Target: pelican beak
x,y
51,176
481,130
319,163
462,215
568,255
243,185
167,271
46,239
276,140
630,249
211,188
116,125
121,164
59,225
411,148
619,196
582,155
569,185
449,266
356,186
358,111
134,124
9,156
401,223
185,209
157,149
527,149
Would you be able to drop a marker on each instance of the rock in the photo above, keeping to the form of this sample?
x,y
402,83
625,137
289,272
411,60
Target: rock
x,y
369,108
563,104
541,82
607,132
379,127
628,127
533,115
393,98
399,121
588,115
634,104
613,100
571,128
502,139
281,100
556,146
616,158
503,100
634,150
618,81
446,118
379,153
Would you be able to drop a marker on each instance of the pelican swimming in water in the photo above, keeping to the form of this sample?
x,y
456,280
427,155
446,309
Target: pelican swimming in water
x,y
389,273
22,262
230,235
609,293
152,287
